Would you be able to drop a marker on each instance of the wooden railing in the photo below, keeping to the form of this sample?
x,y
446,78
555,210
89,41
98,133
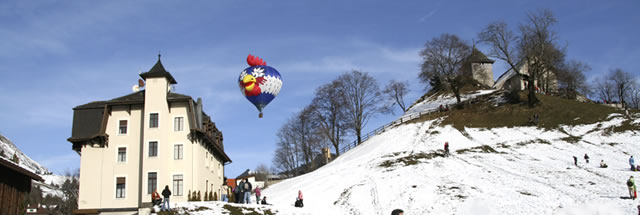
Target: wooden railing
x,y
397,122
385,127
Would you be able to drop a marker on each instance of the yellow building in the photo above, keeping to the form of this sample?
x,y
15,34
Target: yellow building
x,y
146,140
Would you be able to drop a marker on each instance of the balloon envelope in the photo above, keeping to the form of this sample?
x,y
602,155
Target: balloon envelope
x,y
260,85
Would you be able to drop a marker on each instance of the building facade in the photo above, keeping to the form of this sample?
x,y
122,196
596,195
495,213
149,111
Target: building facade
x,y
132,145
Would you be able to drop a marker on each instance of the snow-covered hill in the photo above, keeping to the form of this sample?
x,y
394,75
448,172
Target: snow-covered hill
x,y
519,170
50,180
8,149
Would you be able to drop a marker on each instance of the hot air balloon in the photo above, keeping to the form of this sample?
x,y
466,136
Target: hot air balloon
x,y
259,83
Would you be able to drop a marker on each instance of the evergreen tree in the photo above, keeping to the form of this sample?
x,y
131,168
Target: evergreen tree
x,y
15,158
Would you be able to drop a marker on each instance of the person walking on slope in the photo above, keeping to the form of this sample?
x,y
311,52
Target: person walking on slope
x,y
247,191
632,163
575,160
631,184
586,157
257,194
299,202
446,149
166,193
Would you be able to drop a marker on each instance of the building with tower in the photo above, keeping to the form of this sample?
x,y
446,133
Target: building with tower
x,y
132,145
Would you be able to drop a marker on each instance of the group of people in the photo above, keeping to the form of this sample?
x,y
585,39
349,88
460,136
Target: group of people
x,y
586,159
156,200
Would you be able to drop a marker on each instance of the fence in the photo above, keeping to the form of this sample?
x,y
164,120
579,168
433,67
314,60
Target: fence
x,y
396,122
384,127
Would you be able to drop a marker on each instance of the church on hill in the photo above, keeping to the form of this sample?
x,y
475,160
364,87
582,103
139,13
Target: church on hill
x,y
132,145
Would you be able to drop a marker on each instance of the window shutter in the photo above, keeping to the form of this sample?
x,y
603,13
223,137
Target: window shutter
x,y
120,180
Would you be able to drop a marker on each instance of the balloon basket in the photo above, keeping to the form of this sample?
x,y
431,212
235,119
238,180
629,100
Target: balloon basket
x,y
260,115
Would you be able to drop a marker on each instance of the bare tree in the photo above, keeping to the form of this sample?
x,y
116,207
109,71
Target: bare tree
x,y
534,49
603,89
634,95
363,100
571,78
503,44
330,113
395,92
444,57
622,81
262,171
539,51
286,157
307,137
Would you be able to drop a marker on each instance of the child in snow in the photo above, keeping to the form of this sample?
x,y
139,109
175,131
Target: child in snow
x,y
264,201
299,200
602,164
586,157
632,163
446,149
632,188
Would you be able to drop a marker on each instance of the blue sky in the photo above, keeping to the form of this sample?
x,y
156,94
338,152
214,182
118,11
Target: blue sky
x,y
55,55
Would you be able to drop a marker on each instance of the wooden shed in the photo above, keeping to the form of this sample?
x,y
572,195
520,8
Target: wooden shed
x,y
15,184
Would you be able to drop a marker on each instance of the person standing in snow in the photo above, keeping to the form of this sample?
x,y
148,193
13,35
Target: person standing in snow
x,y
575,160
166,193
586,157
397,212
240,191
258,194
225,192
446,149
632,163
632,188
247,191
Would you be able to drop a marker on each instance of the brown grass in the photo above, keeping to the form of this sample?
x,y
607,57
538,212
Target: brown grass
x,y
553,112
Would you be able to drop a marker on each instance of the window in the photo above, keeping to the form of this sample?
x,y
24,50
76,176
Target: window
x,y
122,127
178,123
153,148
153,120
120,187
177,152
122,154
177,185
152,182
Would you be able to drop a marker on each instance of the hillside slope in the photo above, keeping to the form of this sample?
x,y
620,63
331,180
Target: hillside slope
x,y
502,170
50,180
8,149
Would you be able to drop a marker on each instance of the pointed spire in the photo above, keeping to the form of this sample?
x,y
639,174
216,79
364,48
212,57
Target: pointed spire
x,y
158,71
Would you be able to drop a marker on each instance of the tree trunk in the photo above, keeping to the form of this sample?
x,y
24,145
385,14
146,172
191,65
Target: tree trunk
x,y
358,132
531,97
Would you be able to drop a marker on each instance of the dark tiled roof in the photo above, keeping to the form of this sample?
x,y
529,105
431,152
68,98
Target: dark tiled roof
x,y
16,168
133,98
478,57
245,174
158,71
